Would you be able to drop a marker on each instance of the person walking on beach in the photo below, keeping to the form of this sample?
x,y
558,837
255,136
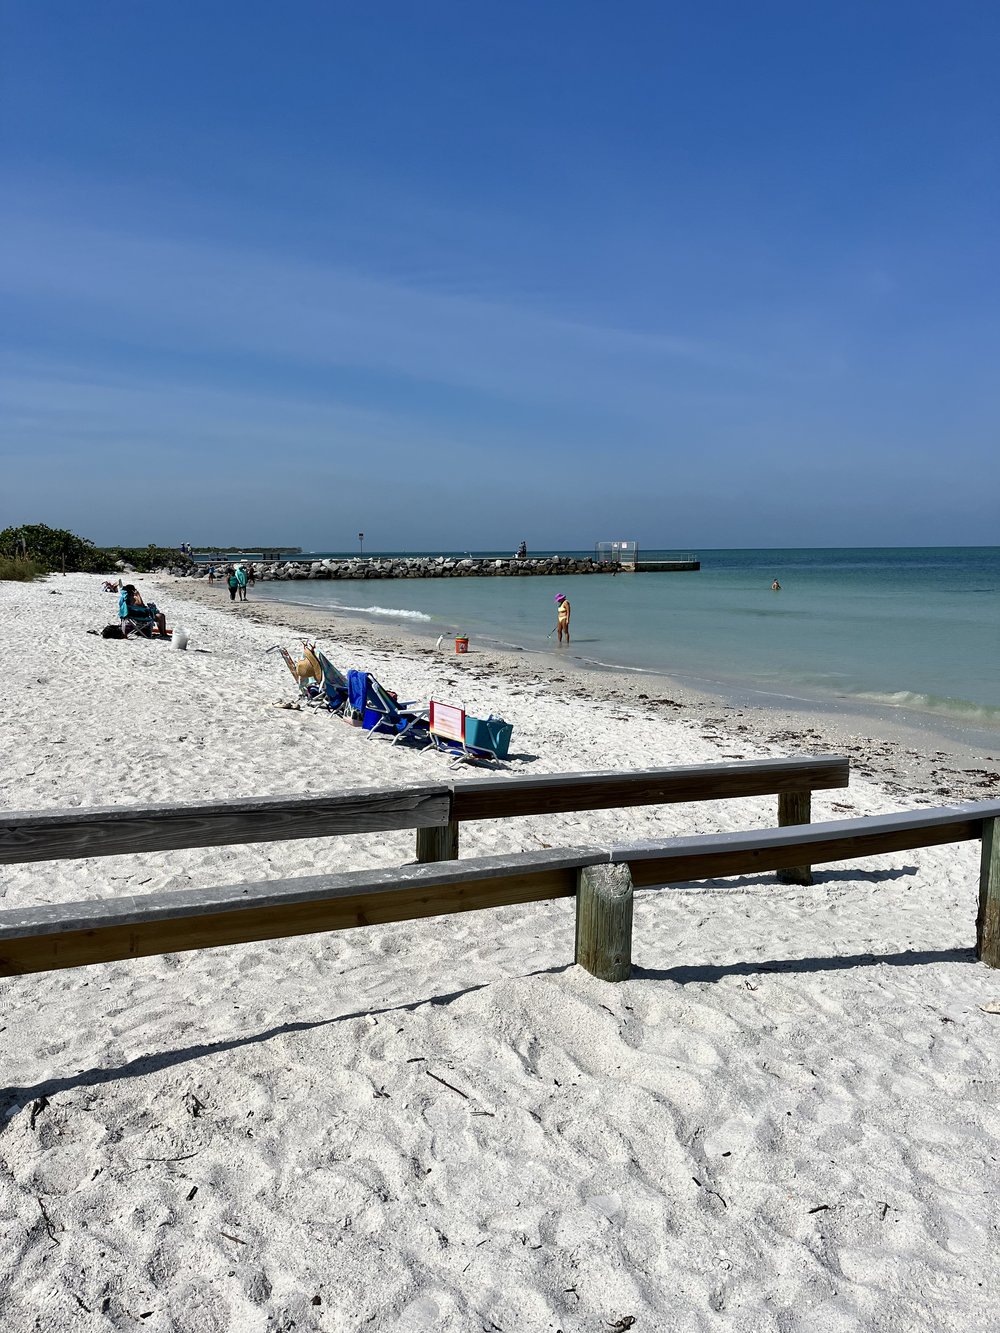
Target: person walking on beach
x,y
232,583
211,574
241,579
562,616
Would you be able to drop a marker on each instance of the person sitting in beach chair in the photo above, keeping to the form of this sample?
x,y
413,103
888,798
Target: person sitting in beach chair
x,y
140,617
380,711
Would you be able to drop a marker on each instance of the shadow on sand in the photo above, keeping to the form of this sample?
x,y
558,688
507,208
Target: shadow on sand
x,y
13,1098
684,974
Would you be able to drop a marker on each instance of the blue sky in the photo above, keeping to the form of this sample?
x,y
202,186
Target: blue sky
x,y
459,275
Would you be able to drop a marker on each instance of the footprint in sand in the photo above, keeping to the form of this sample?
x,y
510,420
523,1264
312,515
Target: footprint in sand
x,y
422,1315
452,1140
686,1048
581,1225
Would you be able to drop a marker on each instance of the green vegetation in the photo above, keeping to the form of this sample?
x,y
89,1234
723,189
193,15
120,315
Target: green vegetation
x,y
49,548
143,558
22,571
54,549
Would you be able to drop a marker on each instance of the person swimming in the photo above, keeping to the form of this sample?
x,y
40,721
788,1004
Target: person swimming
x,y
776,586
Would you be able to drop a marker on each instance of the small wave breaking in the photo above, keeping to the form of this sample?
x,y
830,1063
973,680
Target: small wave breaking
x,y
395,612
942,705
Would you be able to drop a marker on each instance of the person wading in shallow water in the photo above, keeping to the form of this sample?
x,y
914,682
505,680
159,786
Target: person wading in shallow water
x,y
562,621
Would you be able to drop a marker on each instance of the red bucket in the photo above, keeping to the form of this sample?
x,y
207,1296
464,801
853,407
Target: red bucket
x,y
461,645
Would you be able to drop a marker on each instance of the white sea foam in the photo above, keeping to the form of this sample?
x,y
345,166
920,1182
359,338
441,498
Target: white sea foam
x,y
619,666
397,613
932,703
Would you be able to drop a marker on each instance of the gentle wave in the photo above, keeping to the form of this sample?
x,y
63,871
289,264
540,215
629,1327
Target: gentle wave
x,y
621,666
505,645
328,603
932,703
396,612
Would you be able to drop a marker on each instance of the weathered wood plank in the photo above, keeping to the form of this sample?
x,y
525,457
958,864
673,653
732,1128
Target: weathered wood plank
x,y
988,920
795,807
76,934
115,830
503,798
48,835
710,856
438,844
604,921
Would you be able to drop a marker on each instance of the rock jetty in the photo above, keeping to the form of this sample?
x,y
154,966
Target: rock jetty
x,y
412,567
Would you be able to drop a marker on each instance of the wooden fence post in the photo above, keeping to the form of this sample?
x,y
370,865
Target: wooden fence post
x,y
795,807
604,921
988,922
439,843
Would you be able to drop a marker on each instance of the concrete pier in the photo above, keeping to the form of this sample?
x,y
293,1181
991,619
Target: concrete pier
x,y
663,566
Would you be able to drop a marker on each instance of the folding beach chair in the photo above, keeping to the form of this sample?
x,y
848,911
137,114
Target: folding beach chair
x,y
308,693
137,618
333,683
136,623
446,728
380,712
468,738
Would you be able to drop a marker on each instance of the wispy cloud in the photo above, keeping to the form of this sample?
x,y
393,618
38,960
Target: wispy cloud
x,y
170,295
239,379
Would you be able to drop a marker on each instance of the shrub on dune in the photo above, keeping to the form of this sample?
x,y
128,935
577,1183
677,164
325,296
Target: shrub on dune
x,y
22,571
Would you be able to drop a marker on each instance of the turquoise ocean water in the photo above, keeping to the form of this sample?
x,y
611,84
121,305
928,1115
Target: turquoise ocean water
x,y
904,628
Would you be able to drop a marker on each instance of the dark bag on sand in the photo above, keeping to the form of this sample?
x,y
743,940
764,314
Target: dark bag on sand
x,y
112,632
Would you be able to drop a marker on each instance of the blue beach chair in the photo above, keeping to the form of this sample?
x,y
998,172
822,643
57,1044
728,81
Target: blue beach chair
x,y
380,712
137,617
334,683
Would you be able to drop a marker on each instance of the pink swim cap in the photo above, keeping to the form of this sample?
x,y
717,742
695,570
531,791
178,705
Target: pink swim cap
x,y
560,597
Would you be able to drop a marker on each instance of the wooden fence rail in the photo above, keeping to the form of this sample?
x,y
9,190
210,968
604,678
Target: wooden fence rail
x,y
434,810
37,939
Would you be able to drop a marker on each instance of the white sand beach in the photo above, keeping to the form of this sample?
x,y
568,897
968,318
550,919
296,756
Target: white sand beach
x,y
786,1120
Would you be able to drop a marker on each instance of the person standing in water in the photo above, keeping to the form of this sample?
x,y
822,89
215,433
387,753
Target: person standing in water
x,y
562,620
776,586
